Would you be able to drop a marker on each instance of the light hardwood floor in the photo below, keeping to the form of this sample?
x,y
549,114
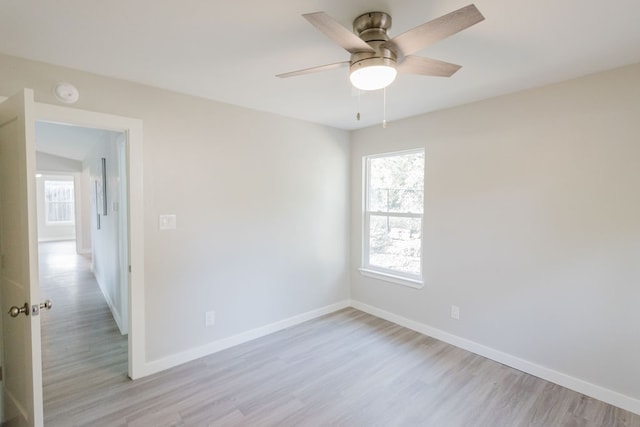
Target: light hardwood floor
x,y
343,369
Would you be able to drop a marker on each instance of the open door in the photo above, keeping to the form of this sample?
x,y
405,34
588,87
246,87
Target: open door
x,y
22,366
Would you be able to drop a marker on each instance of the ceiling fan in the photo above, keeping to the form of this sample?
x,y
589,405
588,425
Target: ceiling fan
x,y
376,59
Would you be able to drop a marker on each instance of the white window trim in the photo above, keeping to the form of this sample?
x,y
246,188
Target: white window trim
x,y
59,223
47,221
367,269
392,278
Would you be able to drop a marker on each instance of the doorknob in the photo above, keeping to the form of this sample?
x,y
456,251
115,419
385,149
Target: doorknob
x,y
15,311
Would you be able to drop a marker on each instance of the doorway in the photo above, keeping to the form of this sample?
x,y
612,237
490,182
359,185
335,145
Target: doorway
x,y
81,187
130,151
22,382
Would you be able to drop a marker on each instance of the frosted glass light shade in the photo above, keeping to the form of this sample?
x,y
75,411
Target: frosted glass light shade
x,y
373,77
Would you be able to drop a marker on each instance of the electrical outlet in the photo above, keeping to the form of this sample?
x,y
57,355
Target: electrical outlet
x,y
455,312
210,318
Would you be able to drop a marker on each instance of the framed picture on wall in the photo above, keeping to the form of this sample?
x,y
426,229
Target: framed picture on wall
x,y
103,192
96,198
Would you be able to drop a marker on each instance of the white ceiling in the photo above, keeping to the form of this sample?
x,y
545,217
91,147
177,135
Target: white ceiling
x,y
71,142
230,51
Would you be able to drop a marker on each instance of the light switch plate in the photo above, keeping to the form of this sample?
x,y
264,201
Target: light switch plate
x,y
167,222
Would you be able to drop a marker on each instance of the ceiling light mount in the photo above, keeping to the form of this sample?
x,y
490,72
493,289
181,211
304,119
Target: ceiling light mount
x,y
372,26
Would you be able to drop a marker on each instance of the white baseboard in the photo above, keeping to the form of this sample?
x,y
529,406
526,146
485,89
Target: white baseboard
x,y
114,312
187,356
609,396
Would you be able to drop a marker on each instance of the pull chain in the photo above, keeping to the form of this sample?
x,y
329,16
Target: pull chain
x,y
384,108
358,113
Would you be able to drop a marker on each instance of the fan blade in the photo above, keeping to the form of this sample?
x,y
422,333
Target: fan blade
x,y
430,32
313,69
427,67
336,32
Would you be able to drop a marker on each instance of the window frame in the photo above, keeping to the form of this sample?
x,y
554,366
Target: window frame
x,y
49,222
381,273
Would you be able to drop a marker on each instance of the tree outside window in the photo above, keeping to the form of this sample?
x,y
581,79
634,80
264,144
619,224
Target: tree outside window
x,y
394,200
59,202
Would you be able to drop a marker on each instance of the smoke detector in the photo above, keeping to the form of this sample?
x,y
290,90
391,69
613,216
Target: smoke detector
x,y
66,92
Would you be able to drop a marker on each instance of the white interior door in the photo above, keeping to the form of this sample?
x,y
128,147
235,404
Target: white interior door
x,y
22,366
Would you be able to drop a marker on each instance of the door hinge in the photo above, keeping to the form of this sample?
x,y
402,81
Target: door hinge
x,y
0,373
129,269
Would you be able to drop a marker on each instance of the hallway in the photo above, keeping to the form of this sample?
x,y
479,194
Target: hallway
x,y
82,348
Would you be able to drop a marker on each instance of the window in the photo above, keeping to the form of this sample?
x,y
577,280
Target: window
x,y
59,203
394,200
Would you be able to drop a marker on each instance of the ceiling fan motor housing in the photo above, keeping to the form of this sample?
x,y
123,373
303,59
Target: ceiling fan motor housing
x,y
372,28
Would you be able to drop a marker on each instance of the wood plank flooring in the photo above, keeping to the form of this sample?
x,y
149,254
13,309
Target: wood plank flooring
x,y
344,369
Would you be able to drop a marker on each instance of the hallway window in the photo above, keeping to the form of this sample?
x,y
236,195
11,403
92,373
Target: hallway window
x,y
59,202
394,199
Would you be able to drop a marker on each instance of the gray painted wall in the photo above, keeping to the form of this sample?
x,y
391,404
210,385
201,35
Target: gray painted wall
x,y
51,163
531,225
261,204
106,241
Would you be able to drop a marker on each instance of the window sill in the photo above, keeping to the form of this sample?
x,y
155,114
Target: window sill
x,y
391,278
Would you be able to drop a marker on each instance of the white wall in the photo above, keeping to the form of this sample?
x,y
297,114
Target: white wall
x,y
531,226
105,242
261,204
51,163
51,232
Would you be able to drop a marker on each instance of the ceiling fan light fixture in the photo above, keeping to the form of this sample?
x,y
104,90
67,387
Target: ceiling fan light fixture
x,y
373,77
372,73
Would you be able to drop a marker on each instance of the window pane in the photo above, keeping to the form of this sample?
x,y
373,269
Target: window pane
x,y
396,183
395,243
58,196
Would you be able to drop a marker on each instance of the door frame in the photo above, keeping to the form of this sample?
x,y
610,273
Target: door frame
x,y
132,128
